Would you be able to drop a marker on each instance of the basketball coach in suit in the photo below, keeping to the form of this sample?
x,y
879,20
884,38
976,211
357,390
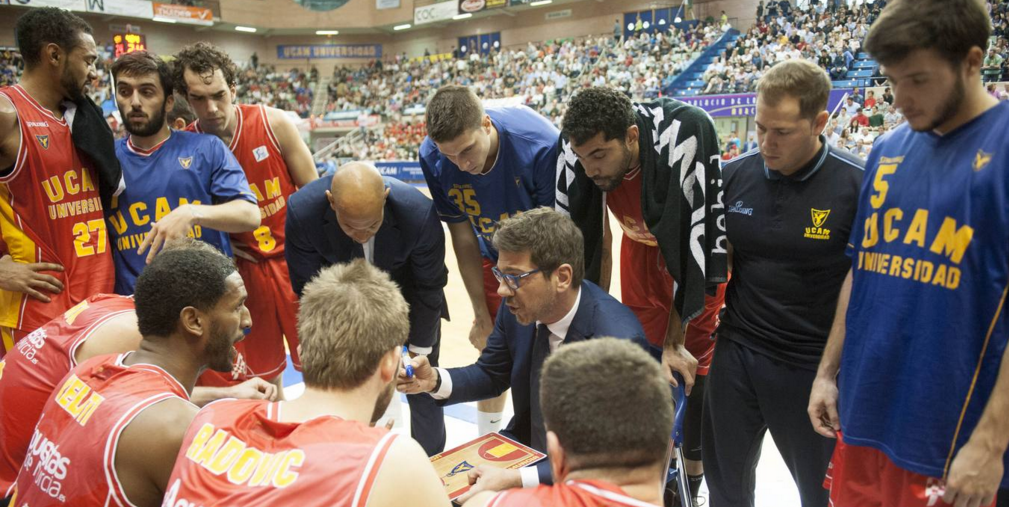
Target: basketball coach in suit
x,y
358,213
540,272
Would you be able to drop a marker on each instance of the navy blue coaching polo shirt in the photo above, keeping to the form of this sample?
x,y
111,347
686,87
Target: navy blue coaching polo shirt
x,y
788,235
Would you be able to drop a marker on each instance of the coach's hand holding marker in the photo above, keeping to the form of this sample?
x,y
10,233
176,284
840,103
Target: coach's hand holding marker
x,y
422,378
407,367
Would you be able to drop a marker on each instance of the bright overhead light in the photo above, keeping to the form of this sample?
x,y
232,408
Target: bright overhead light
x,y
163,20
402,27
541,2
457,17
677,20
245,29
327,32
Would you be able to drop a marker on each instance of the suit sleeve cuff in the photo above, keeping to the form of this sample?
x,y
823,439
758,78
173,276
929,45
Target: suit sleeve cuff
x,y
530,477
420,351
445,390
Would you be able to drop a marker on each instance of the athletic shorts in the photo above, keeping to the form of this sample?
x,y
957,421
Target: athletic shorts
x,y
865,477
647,289
274,309
9,336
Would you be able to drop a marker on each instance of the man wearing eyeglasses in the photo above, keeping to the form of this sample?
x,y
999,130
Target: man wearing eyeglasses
x,y
357,213
540,270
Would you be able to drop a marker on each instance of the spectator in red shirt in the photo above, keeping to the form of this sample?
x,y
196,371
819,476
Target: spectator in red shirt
x,y
870,100
862,117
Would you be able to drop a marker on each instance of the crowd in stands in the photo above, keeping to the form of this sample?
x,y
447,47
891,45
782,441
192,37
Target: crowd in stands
x,y
292,90
539,75
542,75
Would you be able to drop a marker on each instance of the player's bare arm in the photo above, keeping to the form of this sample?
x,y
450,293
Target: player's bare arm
x,y
675,356
296,154
407,478
148,447
114,336
486,478
977,468
467,252
27,278
253,389
823,397
10,135
237,215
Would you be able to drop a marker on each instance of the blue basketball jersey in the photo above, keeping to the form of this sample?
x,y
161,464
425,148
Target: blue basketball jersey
x,y
185,168
522,178
926,326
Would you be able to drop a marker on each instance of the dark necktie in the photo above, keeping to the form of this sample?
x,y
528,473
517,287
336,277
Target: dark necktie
x,y
541,349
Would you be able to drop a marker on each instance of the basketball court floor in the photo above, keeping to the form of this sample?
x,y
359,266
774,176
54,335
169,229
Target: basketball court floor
x,y
775,487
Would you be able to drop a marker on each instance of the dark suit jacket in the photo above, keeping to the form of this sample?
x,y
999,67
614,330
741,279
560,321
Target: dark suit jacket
x,y
410,246
506,360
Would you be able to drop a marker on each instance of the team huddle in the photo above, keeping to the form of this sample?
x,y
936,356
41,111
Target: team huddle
x,y
151,289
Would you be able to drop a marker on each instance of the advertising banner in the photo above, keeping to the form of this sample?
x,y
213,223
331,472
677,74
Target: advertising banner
x,y
328,51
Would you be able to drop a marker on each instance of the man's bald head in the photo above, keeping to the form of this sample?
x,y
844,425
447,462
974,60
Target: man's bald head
x,y
357,185
357,194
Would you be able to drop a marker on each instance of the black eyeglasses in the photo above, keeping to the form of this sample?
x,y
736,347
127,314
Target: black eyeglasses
x,y
512,281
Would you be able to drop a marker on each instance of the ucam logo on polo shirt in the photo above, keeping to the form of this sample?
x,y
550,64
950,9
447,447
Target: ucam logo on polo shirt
x,y
819,218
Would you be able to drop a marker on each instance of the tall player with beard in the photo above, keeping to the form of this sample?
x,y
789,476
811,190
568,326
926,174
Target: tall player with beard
x,y
177,183
51,217
655,166
353,323
277,162
110,433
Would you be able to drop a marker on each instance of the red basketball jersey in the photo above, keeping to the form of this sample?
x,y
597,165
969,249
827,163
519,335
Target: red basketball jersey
x,y
30,374
50,211
569,494
237,452
258,151
71,456
625,204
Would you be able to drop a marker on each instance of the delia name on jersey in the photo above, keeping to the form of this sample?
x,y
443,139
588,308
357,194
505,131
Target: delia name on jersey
x,y
227,456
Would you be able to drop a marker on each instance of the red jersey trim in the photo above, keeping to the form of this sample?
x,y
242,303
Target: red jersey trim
x,y
609,495
146,153
32,102
269,129
371,471
238,129
22,155
116,490
88,331
155,369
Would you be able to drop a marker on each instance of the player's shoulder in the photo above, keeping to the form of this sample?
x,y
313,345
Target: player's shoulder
x,y
676,110
197,138
430,155
523,123
749,161
227,409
